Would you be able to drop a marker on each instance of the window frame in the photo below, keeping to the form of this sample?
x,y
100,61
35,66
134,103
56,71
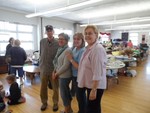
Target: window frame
x,y
134,38
4,29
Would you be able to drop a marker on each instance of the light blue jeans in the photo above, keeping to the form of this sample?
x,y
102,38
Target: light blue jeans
x,y
65,91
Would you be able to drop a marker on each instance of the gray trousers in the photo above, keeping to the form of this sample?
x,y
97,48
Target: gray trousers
x,y
44,89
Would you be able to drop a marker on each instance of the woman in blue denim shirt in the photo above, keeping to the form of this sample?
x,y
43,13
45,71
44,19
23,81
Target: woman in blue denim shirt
x,y
74,58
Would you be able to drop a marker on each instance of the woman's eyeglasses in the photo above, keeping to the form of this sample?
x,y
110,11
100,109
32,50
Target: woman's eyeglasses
x,y
89,34
60,39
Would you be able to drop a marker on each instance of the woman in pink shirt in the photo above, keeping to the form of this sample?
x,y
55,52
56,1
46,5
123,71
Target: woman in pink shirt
x,y
130,44
91,73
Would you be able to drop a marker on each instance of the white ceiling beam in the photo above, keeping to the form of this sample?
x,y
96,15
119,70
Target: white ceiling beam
x,y
124,21
141,26
64,8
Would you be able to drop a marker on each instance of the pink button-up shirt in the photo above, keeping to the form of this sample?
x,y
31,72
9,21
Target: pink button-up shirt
x,y
92,66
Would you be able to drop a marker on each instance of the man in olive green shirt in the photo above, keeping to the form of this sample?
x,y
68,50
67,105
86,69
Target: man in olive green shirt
x,y
48,49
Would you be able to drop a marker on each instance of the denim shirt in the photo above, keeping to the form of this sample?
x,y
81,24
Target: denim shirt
x,y
76,56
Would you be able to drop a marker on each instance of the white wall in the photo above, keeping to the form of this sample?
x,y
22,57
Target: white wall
x,y
58,23
17,17
78,28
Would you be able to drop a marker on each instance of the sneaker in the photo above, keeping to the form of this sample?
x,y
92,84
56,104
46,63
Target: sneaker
x,y
55,107
43,107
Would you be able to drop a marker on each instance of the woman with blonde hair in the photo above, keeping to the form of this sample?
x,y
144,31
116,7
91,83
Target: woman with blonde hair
x,y
92,73
74,58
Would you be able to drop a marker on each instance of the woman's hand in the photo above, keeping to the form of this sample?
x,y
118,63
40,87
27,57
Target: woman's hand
x,y
54,75
93,94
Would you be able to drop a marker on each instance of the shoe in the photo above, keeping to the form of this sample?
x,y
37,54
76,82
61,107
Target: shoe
x,y
55,107
43,107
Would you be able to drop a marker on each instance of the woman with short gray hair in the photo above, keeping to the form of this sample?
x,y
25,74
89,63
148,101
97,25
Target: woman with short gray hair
x,y
18,57
62,71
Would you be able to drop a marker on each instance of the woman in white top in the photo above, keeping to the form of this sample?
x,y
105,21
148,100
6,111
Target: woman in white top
x,y
92,73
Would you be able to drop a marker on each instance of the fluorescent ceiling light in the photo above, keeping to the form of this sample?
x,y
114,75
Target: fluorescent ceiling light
x,y
129,27
115,10
124,21
39,2
136,31
64,8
